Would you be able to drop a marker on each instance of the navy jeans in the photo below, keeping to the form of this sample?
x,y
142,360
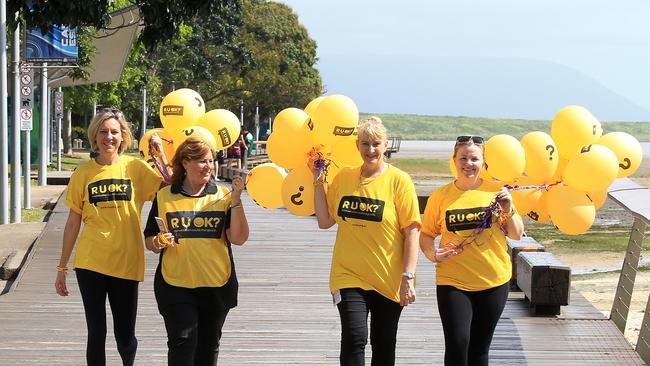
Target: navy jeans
x,y
123,298
353,309
468,321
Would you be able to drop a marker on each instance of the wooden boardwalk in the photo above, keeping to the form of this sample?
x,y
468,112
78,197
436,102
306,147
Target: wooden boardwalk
x,y
285,315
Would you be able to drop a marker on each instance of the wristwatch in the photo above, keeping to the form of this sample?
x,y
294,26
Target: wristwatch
x,y
408,275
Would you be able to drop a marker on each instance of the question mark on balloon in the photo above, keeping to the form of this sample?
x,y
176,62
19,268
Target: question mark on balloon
x,y
295,197
627,164
188,131
551,149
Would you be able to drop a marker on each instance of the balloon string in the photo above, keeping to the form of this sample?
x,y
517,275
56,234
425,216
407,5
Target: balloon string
x,y
157,164
321,163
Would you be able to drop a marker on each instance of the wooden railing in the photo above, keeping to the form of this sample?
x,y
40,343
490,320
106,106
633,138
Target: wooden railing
x,y
635,199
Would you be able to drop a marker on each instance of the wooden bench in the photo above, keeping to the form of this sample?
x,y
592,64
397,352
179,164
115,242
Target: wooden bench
x,y
545,281
526,244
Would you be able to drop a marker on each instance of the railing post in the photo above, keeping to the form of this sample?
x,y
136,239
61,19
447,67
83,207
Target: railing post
x,y
623,298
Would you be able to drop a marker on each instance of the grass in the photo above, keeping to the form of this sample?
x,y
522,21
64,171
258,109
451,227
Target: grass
x,y
417,127
32,215
420,166
69,162
610,238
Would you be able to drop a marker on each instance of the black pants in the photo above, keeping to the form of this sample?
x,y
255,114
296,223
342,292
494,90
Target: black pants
x,y
468,320
354,308
123,298
193,333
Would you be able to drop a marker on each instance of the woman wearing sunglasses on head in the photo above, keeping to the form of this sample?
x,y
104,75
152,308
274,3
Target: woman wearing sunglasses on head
x,y
473,265
376,209
107,194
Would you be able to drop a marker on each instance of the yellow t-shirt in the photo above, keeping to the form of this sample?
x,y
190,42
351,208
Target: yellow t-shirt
x,y
484,263
109,199
202,257
371,214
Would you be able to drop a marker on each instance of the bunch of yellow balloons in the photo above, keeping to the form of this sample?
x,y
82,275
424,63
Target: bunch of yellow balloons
x,y
574,166
326,127
183,115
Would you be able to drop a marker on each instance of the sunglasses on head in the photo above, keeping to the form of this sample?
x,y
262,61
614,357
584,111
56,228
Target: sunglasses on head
x,y
474,139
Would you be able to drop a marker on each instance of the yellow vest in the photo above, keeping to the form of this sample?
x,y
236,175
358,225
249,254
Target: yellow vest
x,y
202,257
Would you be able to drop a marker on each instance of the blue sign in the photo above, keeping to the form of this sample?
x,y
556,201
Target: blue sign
x,y
60,44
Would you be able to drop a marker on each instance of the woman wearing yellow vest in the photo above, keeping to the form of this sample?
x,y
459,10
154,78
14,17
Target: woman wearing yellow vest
x,y
107,194
376,209
195,282
473,265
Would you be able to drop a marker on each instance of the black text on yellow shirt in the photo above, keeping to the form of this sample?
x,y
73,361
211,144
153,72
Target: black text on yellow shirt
x,y
110,190
361,208
191,224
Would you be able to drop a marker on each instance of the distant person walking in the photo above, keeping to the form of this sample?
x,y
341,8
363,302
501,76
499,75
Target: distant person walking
x,y
473,266
107,194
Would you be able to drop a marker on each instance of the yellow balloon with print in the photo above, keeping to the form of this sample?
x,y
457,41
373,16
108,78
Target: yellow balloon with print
x,y
281,154
505,158
310,108
627,149
539,213
264,185
181,108
574,127
293,128
335,118
525,200
298,191
593,169
542,157
570,210
168,146
198,132
557,176
224,126
345,152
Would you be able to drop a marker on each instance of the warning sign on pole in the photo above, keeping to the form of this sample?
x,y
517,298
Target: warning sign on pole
x,y
26,96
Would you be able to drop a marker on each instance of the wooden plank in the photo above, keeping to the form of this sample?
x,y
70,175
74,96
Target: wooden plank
x,y
545,280
285,315
526,244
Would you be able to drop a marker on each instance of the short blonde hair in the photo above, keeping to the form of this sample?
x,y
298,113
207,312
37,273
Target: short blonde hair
x,y
373,127
103,115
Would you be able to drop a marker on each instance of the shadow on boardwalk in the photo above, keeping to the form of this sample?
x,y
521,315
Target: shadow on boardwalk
x,y
285,315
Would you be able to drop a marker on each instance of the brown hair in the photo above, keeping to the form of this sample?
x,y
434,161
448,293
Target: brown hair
x,y
191,149
103,115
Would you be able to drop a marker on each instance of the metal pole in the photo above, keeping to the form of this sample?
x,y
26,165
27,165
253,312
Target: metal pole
x,y
143,128
4,124
27,171
43,147
15,130
58,141
241,112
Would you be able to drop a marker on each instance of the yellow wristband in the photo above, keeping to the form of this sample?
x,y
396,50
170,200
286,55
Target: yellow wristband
x,y
62,269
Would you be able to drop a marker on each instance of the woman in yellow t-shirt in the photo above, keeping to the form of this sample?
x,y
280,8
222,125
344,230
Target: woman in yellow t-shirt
x,y
376,209
473,265
107,194
195,282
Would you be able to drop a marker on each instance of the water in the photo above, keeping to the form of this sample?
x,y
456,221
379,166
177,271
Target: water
x,y
443,149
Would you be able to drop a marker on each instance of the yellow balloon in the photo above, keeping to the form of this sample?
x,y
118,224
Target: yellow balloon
x,y
574,127
598,198
335,117
593,169
539,213
505,159
542,157
293,127
557,176
298,191
452,166
627,149
223,124
345,153
525,200
181,108
264,185
311,106
281,154
571,210
198,132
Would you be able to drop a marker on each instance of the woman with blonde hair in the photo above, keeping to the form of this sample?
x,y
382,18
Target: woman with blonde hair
x,y
375,254
107,194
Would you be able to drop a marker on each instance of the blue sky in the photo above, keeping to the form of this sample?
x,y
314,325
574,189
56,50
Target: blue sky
x,y
608,41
